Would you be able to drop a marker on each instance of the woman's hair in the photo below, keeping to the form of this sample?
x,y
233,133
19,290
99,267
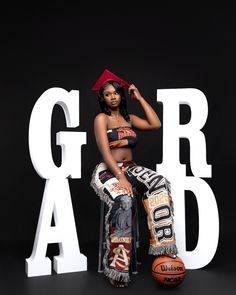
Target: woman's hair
x,y
123,105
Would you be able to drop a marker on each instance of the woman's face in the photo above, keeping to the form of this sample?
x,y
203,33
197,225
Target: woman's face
x,y
111,97
126,203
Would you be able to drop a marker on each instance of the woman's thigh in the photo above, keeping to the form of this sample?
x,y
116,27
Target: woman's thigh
x,y
147,181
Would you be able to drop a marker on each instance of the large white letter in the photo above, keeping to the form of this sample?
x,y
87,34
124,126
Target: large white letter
x,y
56,199
176,172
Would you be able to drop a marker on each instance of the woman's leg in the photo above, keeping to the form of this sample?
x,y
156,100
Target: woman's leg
x,y
157,201
118,224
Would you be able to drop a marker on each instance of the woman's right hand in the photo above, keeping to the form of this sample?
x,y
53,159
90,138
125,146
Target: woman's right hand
x,y
124,184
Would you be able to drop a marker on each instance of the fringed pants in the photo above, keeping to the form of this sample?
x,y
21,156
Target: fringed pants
x,y
156,197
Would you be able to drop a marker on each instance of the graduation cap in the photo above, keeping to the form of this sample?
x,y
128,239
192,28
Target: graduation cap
x,y
108,76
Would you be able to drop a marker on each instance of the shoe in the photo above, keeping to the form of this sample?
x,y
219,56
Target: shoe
x,y
118,284
172,255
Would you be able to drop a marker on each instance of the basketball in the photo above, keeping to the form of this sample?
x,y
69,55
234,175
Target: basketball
x,y
168,272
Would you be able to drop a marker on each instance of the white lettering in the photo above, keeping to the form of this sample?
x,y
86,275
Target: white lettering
x,y
56,199
173,170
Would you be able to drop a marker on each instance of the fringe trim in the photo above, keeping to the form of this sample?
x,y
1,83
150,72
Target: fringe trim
x,y
116,275
168,187
107,238
163,250
110,272
104,197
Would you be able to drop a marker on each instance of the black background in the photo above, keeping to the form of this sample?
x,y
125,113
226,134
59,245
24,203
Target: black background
x,y
58,47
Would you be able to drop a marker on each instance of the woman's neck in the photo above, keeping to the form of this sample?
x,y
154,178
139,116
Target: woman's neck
x,y
116,116
115,113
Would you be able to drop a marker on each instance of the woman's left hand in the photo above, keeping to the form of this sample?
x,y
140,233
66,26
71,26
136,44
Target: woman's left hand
x,y
134,89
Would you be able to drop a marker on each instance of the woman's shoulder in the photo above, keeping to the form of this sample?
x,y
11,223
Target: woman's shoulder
x,y
100,122
100,118
132,118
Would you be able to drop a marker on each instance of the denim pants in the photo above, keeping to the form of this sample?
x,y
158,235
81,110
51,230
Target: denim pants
x,y
155,192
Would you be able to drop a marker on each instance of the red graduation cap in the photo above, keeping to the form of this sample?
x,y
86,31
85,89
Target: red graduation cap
x,y
108,76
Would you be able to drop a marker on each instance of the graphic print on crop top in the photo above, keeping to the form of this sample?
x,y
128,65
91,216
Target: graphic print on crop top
x,y
123,136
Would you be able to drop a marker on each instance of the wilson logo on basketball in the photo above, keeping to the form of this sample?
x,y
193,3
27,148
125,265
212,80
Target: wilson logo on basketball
x,y
171,268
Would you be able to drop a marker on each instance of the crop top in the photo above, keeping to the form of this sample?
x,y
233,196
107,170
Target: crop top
x,y
123,136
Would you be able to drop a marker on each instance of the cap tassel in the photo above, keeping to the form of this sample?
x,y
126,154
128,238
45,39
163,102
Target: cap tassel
x,y
132,95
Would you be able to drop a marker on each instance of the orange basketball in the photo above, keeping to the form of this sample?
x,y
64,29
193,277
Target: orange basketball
x,y
169,272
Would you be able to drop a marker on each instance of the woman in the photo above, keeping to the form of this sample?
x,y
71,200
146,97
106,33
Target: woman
x,y
117,177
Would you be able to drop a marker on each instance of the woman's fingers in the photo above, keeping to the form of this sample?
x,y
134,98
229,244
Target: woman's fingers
x,y
131,87
128,189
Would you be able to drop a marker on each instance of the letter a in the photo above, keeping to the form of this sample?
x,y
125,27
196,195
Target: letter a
x,y
56,199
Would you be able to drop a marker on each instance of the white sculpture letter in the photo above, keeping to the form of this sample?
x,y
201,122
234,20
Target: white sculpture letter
x,y
172,169
56,199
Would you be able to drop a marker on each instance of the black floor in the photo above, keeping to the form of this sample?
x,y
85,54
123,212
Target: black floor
x,y
219,277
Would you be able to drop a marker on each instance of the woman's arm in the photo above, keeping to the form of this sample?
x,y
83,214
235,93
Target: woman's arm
x,y
152,121
100,130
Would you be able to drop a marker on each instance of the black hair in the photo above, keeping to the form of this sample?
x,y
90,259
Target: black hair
x,y
123,105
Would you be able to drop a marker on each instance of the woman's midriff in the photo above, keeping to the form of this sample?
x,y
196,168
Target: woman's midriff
x,y
122,154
